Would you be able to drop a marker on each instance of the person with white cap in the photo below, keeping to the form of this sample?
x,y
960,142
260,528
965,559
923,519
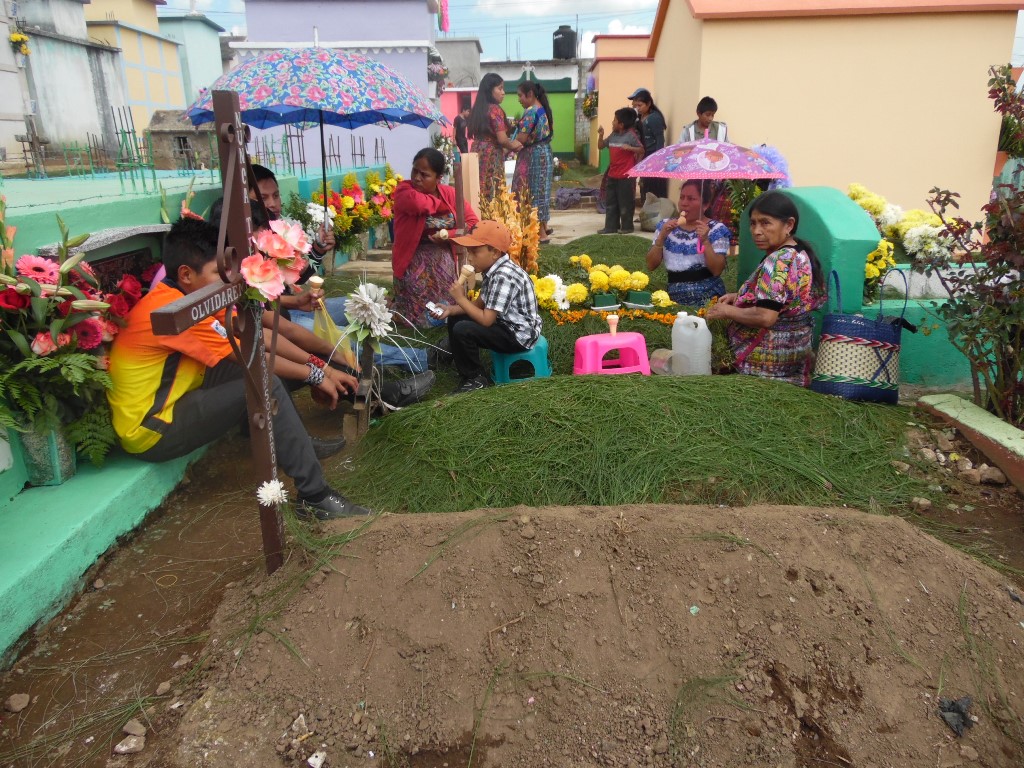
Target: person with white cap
x,y
652,133
504,317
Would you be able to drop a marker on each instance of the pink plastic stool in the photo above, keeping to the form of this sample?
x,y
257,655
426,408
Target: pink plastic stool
x,y
591,351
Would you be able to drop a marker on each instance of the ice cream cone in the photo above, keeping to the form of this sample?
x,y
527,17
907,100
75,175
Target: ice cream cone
x,y
467,275
315,283
613,324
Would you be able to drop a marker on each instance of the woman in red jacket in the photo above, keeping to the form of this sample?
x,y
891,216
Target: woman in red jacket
x,y
424,261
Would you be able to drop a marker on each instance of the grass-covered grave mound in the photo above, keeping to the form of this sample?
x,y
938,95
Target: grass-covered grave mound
x,y
610,440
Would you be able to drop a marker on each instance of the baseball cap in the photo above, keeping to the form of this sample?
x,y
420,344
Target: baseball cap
x,y
639,92
487,232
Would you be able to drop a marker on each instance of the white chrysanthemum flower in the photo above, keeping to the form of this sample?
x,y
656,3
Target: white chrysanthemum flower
x,y
272,492
890,216
367,305
559,295
928,242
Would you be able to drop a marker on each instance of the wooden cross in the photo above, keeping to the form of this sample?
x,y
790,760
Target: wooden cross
x,y
236,227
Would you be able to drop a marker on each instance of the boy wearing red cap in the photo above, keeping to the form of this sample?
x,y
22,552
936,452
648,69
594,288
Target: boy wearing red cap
x,y
503,318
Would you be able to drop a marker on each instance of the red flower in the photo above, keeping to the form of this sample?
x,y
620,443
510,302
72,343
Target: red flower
x,y
119,306
64,308
11,299
150,272
131,285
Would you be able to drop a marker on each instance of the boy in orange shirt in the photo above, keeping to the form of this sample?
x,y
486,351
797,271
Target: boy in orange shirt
x,y
173,394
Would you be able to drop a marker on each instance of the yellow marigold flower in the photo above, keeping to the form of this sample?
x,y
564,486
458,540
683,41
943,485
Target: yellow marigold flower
x,y
638,281
586,262
574,259
661,299
576,293
871,271
602,268
598,280
349,202
619,280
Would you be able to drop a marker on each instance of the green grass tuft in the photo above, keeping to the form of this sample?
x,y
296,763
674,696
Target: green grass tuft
x,y
609,440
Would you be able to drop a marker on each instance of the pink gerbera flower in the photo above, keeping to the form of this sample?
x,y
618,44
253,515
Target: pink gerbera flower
x,y
39,269
89,333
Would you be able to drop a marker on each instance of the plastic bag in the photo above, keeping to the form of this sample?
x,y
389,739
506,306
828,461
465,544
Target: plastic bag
x,y
325,328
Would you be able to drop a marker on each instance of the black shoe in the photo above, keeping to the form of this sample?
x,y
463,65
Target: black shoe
x,y
399,393
472,384
440,356
331,507
607,231
324,448
626,231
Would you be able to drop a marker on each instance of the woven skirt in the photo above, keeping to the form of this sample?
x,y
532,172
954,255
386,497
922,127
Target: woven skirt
x,y
697,293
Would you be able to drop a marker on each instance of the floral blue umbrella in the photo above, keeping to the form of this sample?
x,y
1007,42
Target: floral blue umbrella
x,y
313,86
319,85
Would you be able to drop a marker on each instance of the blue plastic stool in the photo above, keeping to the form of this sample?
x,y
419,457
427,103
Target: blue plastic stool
x,y
537,357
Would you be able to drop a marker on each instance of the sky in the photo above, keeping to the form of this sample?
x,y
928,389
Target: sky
x,y
507,29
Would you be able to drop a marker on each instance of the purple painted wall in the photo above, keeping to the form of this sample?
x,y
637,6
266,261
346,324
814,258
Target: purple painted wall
x,y
359,24
293,20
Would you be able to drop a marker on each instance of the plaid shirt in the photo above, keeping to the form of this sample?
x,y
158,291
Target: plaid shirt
x,y
508,290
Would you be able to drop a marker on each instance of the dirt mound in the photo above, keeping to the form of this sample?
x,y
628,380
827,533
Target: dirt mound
x,y
628,636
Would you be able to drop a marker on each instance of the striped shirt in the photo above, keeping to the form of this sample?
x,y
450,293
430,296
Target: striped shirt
x,y
507,290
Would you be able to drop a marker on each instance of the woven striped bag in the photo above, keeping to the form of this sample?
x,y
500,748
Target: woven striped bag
x,y
859,358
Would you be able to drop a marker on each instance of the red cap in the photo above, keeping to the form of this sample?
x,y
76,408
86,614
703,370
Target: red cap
x,y
492,233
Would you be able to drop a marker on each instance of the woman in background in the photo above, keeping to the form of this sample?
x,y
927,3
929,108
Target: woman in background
x,y
422,259
533,163
692,248
488,127
652,133
771,326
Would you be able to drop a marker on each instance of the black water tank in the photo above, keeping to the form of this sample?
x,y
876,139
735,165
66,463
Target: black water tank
x,y
564,42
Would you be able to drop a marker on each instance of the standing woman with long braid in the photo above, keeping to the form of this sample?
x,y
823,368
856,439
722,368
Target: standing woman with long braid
x,y
533,163
488,127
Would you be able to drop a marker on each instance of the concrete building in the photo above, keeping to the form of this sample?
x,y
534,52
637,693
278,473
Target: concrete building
x,y
620,66
892,95
398,33
66,84
150,63
462,57
14,85
199,50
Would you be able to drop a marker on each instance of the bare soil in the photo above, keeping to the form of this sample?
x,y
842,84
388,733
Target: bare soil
x,y
628,636
632,636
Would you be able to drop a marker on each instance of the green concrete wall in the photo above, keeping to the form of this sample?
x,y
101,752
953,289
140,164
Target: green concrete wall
x,y
52,536
563,109
92,205
928,358
12,479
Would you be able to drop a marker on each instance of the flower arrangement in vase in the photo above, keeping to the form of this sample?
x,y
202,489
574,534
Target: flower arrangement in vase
x,y
589,105
53,374
19,43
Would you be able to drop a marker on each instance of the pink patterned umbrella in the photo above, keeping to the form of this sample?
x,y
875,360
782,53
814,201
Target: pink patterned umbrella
x,y
706,159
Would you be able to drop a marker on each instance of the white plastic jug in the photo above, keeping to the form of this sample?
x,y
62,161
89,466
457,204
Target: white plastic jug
x,y
691,346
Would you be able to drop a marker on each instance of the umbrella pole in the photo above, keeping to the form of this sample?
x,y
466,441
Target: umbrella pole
x,y
323,162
